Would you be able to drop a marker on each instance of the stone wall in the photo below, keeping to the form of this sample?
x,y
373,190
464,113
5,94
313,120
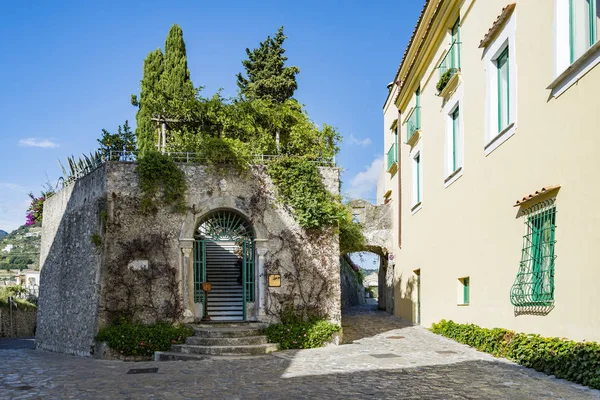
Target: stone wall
x,y
70,266
107,202
23,323
352,289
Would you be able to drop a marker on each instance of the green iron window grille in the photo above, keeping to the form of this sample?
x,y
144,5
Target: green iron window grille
x,y
224,225
503,90
584,29
534,285
413,122
451,61
391,157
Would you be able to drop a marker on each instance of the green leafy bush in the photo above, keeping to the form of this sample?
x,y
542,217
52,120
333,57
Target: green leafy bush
x,y
300,186
8,291
158,172
445,78
566,359
301,334
143,340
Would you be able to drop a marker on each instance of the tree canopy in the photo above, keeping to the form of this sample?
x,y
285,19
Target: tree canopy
x,y
267,77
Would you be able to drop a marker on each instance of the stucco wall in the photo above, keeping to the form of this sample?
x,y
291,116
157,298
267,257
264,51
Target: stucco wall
x,y
70,266
470,228
107,202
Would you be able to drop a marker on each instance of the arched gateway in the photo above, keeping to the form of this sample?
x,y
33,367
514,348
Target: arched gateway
x,y
224,256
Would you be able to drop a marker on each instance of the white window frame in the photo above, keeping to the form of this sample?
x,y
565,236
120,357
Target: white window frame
x,y
565,73
450,176
493,139
416,199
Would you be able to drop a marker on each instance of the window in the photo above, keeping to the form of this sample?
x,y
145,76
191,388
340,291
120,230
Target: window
x,y
534,285
392,154
464,291
417,172
576,42
501,87
413,122
503,90
453,145
584,16
453,163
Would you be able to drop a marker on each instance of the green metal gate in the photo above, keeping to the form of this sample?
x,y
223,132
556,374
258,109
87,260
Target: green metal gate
x,y
225,226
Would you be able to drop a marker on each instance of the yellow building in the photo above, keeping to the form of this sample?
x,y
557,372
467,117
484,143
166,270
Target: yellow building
x,y
492,141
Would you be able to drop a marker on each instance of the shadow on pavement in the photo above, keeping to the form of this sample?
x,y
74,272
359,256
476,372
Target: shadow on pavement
x,y
17,343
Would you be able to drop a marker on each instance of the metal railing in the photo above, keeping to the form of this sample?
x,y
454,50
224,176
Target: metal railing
x,y
451,61
413,122
391,156
179,157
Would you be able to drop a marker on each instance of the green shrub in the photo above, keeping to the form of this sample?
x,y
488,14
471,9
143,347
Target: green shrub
x,y
445,78
158,173
578,362
14,291
143,340
301,335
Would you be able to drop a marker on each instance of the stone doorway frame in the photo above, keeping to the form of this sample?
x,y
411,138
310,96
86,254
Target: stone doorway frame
x,y
192,311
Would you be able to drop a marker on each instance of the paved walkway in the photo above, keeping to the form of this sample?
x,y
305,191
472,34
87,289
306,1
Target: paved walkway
x,y
387,359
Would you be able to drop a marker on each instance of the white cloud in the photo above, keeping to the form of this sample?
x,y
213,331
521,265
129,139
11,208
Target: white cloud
x,y
34,142
364,143
364,184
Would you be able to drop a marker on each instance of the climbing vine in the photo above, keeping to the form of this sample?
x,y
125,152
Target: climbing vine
x,y
162,182
300,186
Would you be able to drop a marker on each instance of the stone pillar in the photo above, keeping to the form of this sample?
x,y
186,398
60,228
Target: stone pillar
x,y
261,276
186,279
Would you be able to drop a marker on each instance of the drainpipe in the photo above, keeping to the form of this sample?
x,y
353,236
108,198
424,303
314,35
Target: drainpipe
x,y
399,174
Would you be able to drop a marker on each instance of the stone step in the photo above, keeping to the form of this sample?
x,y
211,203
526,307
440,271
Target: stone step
x,y
241,341
178,356
217,331
254,349
217,318
223,313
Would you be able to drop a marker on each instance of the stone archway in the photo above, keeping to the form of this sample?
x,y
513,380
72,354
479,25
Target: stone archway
x,y
376,221
193,307
224,256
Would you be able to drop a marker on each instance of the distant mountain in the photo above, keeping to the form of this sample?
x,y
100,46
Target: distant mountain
x,y
3,233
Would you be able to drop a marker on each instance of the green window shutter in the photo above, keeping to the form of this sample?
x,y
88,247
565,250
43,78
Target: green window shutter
x,y
503,90
466,287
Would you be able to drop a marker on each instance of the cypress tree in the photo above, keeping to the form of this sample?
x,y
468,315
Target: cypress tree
x,y
175,83
267,76
150,100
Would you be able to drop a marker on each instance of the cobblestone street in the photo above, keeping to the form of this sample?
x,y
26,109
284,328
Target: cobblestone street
x,y
384,358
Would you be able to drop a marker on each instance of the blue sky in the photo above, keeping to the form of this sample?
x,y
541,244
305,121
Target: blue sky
x,y
69,68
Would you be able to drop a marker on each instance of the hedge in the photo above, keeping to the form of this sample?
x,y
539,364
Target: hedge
x,y
301,335
578,362
143,340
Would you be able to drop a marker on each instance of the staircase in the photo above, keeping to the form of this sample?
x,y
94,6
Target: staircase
x,y
221,341
225,302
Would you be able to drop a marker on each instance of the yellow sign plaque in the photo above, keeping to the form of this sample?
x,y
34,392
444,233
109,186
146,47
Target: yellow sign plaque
x,y
274,280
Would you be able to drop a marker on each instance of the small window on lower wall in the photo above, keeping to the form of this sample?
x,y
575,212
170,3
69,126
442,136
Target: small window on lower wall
x,y
463,291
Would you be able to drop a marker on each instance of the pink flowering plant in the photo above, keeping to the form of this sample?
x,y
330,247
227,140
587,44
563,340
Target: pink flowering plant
x,y
35,211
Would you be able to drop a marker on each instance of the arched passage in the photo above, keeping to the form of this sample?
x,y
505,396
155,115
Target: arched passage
x,y
224,256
